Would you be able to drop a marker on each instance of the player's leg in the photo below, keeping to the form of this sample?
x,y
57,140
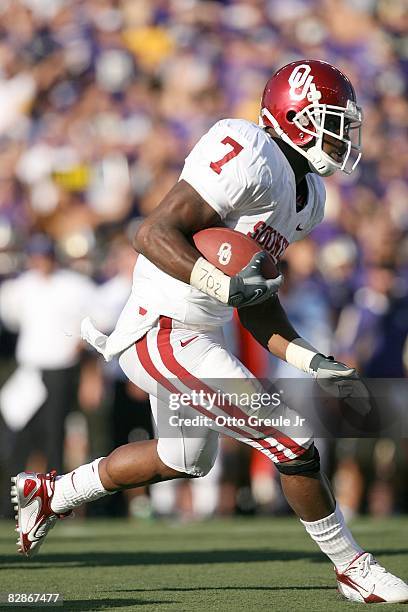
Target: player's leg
x,y
128,466
131,465
180,452
134,465
164,353
169,361
188,451
40,499
309,495
307,489
359,576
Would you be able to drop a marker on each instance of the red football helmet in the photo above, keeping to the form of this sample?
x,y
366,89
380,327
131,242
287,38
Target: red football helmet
x,y
308,99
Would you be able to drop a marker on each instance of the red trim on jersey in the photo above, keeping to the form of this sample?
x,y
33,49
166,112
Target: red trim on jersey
x,y
169,360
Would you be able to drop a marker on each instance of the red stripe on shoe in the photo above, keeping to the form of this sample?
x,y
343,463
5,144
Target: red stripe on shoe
x,y
142,351
374,599
29,485
167,354
360,590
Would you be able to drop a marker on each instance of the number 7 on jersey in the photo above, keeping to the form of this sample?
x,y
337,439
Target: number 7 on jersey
x,y
236,148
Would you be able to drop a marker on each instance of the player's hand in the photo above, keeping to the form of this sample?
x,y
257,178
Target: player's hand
x,y
342,382
249,287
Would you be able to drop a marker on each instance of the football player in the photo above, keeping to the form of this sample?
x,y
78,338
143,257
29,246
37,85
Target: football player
x,y
264,181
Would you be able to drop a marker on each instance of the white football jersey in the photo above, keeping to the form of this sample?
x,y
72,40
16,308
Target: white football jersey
x,y
241,172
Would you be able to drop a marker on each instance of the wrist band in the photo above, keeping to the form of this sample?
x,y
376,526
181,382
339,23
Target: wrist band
x,y
300,353
210,280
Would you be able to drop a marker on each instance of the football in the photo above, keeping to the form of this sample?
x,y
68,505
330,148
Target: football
x,y
230,251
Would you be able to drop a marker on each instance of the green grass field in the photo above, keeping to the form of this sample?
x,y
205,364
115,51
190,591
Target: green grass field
x,y
231,564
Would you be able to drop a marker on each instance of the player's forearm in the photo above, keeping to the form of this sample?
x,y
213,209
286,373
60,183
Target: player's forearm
x,y
183,261
270,326
283,334
164,238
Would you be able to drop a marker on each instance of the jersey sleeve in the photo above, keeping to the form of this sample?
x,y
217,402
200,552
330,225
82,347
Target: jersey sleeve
x,y
224,169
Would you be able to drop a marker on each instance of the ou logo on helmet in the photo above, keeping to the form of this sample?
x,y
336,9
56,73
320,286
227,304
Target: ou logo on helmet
x,y
224,253
303,80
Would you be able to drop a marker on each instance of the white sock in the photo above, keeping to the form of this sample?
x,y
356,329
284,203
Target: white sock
x,y
334,538
79,486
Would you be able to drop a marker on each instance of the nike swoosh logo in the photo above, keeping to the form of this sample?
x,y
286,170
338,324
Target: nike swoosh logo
x,y
34,514
185,342
44,528
299,228
357,587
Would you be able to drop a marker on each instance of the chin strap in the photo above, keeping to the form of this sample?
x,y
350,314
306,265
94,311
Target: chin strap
x,y
320,163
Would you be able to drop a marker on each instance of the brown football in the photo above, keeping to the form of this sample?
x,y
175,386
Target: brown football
x,y
230,251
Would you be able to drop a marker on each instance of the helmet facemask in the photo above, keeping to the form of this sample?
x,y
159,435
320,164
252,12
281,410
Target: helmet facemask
x,y
340,124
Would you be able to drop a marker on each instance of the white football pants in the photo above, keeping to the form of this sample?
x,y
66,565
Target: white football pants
x,y
171,360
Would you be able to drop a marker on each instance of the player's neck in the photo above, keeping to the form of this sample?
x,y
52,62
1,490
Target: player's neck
x,y
298,163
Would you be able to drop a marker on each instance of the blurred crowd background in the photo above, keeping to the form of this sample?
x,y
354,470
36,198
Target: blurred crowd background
x,y
100,102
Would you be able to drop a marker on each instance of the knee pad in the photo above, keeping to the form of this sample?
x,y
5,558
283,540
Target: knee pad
x,y
300,467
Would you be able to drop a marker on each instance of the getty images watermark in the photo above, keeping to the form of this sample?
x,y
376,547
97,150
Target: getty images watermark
x,y
232,403
294,407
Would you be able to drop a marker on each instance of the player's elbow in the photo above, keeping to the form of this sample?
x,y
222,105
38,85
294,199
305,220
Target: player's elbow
x,y
151,236
142,239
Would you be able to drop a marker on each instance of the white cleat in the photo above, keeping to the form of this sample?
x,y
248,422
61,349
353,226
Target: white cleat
x,y
366,581
31,495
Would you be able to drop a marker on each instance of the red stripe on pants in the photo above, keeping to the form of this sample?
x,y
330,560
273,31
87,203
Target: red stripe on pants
x,y
147,363
171,363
